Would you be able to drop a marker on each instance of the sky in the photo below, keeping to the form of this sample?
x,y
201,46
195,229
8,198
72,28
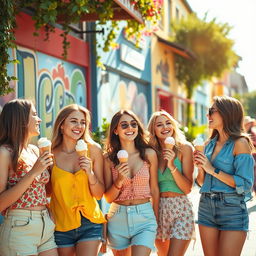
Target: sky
x,y
241,15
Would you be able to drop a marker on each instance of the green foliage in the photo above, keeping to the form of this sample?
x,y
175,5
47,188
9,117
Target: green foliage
x,y
248,101
101,133
193,131
211,47
46,13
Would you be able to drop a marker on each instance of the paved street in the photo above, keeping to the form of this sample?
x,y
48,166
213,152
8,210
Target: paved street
x,y
195,249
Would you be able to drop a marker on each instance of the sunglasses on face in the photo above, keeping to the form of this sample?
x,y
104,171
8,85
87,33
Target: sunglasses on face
x,y
125,125
212,110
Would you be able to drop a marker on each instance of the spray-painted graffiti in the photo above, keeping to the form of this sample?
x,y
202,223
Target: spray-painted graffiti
x,y
121,94
50,82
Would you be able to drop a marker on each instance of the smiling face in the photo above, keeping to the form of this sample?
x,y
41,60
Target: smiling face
x,y
163,127
127,128
33,123
214,118
74,125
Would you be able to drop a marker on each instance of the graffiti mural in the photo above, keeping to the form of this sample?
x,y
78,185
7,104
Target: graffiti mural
x,y
122,93
50,82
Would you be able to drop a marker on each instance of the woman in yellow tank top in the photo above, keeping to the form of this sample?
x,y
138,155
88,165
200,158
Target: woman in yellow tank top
x,y
77,183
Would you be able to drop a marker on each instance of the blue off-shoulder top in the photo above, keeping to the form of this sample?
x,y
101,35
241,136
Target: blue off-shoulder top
x,y
241,166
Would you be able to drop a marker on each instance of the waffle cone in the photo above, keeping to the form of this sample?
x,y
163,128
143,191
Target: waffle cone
x,y
199,148
44,149
123,160
169,146
82,153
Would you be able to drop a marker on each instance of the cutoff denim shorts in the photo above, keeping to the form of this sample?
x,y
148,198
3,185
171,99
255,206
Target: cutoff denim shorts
x,y
26,232
88,231
224,211
131,225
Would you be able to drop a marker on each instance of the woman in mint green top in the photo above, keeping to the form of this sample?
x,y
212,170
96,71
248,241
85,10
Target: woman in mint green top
x,y
175,178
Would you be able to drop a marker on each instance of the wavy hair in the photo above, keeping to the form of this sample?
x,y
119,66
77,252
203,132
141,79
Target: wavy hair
x,y
57,136
178,135
14,120
232,114
113,144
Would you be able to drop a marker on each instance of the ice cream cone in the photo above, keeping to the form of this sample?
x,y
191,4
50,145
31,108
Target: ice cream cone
x,y
169,146
44,145
82,153
123,160
44,149
199,148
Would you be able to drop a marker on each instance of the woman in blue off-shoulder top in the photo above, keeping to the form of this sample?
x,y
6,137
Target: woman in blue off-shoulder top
x,y
226,175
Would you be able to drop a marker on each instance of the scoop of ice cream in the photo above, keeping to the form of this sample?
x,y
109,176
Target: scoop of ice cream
x,y
169,140
81,145
122,154
44,142
198,141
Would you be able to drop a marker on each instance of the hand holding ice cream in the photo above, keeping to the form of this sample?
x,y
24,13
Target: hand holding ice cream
x,y
44,145
122,156
169,143
81,148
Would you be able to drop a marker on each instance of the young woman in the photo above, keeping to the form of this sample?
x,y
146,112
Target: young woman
x,y
130,186
175,179
77,182
226,176
27,228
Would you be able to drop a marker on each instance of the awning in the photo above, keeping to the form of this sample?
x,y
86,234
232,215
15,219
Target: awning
x,y
123,10
167,93
178,49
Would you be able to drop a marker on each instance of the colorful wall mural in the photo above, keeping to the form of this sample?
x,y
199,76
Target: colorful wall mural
x,y
51,82
122,93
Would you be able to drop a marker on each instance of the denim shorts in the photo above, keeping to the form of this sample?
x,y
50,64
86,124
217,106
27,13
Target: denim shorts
x,y
224,211
88,231
26,232
131,225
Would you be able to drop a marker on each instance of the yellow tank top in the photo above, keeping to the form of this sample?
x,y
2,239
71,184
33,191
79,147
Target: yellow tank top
x,y
71,198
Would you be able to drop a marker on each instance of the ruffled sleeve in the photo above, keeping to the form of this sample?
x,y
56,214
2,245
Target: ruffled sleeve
x,y
244,174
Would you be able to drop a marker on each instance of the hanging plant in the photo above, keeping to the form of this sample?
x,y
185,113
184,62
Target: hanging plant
x,y
46,13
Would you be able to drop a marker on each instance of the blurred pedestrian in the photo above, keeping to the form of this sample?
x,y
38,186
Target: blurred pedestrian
x,y
77,183
175,179
27,228
226,176
130,186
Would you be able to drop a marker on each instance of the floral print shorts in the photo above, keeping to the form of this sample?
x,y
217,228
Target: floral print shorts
x,y
176,218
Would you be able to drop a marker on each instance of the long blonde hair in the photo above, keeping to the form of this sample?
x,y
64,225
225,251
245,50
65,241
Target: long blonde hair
x,y
61,117
178,135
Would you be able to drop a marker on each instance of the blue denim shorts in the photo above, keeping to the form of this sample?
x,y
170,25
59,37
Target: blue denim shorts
x,y
131,225
88,231
224,211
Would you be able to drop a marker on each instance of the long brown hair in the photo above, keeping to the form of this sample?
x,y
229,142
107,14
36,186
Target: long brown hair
x,y
113,144
232,113
61,117
14,120
178,135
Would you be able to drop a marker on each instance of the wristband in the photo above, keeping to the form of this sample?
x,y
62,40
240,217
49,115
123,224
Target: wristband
x,y
217,171
118,188
174,170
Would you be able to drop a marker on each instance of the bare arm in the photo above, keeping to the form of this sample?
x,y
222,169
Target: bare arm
x,y
94,171
113,188
11,195
152,157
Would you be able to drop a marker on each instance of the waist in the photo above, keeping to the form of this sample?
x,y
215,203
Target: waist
x,y
170,194
221,195
27,213
133,202
114,207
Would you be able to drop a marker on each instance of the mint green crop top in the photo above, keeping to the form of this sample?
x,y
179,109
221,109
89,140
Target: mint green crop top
x,y
166,181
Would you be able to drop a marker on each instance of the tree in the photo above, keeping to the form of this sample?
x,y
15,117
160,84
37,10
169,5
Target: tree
x,y
249,103
211,49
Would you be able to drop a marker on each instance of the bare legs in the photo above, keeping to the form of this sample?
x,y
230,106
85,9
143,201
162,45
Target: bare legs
x,y
173,247
221,243
135,250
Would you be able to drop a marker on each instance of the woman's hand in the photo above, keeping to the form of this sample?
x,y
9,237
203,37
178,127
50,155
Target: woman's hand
x,y
43,162
123,171
85,163
169,156
201,161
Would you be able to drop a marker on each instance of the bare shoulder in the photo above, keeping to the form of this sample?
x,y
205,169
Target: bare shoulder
x,y
95,148
150,152
187,147
242,146
5,153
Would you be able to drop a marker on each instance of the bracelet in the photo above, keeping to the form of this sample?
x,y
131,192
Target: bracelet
x,y
118,188
93,183
174,170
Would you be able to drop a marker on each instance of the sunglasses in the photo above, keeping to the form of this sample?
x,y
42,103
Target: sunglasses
x,y
125,125
212,110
